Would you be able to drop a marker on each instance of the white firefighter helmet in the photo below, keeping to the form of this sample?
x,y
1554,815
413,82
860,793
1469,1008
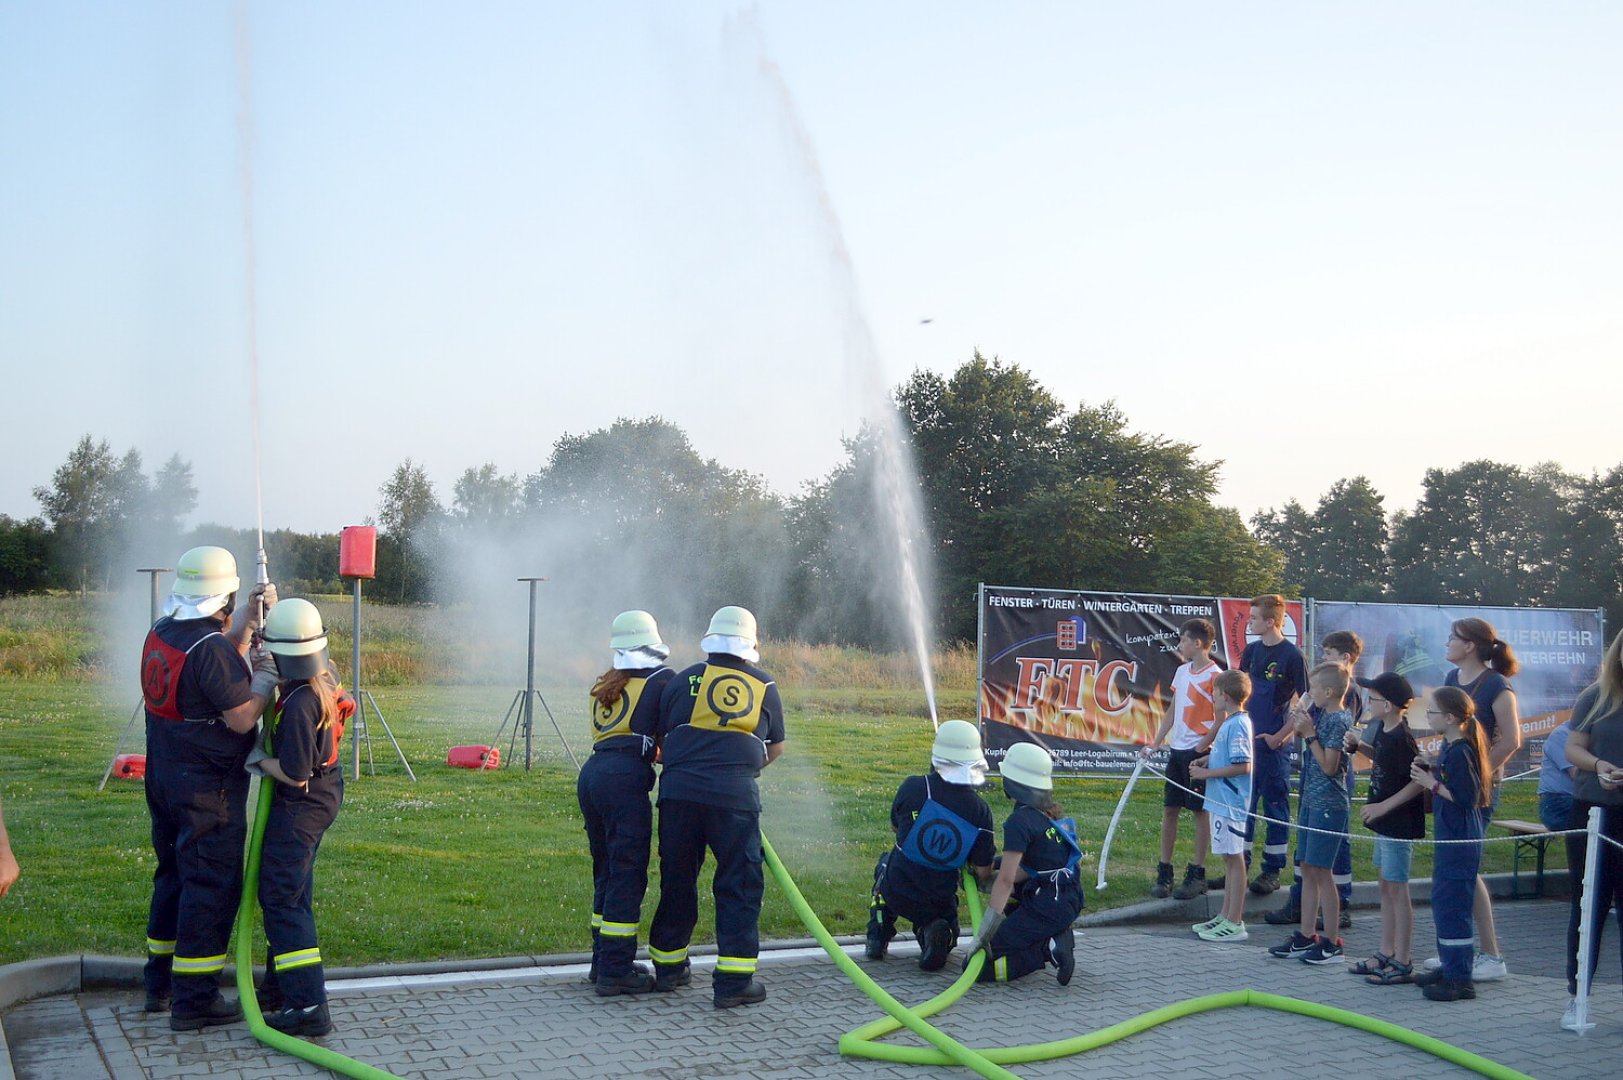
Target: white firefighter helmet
x,y
1029,764
206,571
296,639
733,622
634,630
957,742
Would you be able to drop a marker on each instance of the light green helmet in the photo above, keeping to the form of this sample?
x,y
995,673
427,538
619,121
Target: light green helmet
x,y
206,571
297,640
957,742
733,622
634,630
1029,764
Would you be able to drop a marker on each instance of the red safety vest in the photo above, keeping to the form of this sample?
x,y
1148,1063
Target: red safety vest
x,y
345,710
161,665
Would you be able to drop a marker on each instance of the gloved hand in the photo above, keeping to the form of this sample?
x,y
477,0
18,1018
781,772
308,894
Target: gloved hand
x,y
990,921
255,756
265,676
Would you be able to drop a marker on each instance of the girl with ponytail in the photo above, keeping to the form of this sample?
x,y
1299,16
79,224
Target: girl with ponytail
x,y
1458,783
1483,667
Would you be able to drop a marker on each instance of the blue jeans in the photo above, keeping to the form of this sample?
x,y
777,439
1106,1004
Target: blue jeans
x,y
1555,811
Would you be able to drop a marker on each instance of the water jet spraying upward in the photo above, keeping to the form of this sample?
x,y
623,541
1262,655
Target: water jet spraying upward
x,y
245,139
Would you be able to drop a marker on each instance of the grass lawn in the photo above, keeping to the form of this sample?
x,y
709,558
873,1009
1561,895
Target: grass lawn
x,y
466,864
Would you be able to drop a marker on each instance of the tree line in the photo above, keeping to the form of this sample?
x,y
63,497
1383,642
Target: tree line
x,y
1016,488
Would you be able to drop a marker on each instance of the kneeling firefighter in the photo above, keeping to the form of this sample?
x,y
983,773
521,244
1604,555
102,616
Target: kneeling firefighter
x,y
613,791
720,724
203,699
302,736
941,824
1040,858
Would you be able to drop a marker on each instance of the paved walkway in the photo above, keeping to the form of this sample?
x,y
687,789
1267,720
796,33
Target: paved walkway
x,y
546,1022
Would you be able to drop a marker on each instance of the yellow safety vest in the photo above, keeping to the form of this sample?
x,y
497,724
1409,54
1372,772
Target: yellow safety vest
x,y
726,699
609,721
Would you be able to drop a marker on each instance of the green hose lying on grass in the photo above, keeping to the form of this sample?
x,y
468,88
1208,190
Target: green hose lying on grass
x,y
943,1049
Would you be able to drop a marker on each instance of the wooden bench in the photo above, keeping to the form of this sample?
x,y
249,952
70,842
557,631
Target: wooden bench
x,y
1530,836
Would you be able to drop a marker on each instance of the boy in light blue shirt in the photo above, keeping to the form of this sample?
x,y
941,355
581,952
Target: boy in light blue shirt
x,y
1227,772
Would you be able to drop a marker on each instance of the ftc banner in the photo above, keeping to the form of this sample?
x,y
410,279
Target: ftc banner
x,y
1559,650
1088,675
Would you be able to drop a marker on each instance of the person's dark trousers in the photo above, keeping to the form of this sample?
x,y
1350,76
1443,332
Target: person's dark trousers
x,y
199,825
297,821
1270,789
686,829
1020,945
613,792
1608,886
892,903
1451,900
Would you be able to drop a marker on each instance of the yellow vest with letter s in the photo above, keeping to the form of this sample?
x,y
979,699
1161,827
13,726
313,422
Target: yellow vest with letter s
x,y
726,699
612,721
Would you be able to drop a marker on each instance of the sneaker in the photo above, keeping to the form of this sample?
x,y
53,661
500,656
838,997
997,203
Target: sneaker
x,y
312,1021
1264,883
1324,952
1297,947
219,1011
1163,881
936,941
1485,968
636,981
1064,947
1194,884
1226,931
752,994
1289,915
1448,990
1434,964
668,977
1208,924
1569,1019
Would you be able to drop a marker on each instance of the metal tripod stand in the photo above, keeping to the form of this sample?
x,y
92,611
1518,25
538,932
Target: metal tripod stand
x,y
523,704
363,699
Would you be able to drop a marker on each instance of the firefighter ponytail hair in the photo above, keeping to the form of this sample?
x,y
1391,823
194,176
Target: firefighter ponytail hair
x,y
325,687
609,686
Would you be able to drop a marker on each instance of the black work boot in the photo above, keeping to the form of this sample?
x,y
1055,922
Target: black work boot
x,y
1289,915
217,1012
1194,883
936,940
1163,881
1065,956
309,1021
636,981
156,1003
753,993
668,977
878,941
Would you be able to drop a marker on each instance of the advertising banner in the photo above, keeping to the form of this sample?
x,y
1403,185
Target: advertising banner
x,y
1559,650
1088,675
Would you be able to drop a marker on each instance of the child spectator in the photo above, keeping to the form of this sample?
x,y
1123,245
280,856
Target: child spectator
x,y
1461,790
1278,675
1396,814
1338,647
1324,815
1555,782
1188,719
1228,767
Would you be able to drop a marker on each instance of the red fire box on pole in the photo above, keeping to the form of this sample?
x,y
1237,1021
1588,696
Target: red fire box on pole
x,y
358,552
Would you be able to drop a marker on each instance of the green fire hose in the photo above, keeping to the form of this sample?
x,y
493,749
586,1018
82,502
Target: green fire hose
x,y
276,1040
943,1049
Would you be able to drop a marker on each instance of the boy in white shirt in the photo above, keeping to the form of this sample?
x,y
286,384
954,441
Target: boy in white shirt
x,y
1227,770
1188,720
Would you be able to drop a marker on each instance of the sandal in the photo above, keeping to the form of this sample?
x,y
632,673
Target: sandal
x,y
1394,974
1373,966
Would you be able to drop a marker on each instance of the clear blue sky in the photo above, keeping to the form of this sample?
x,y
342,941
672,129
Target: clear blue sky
x,y
1315,239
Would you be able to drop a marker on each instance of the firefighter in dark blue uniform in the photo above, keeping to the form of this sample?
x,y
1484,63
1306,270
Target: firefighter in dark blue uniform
x,y
720,724
941,824
613,792
302,738
202,701
1040,860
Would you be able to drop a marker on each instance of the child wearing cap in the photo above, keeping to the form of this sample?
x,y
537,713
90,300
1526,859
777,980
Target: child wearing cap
x,y
1396,814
